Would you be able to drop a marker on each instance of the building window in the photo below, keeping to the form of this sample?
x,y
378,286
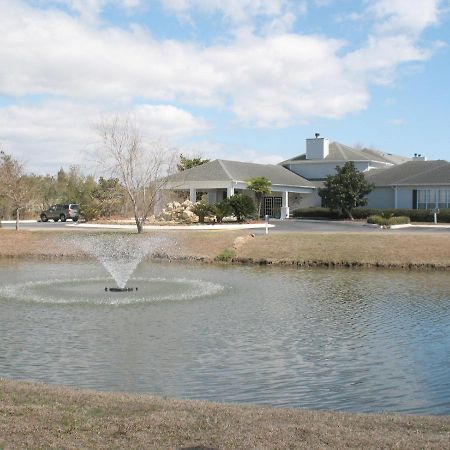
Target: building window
x,y
433,198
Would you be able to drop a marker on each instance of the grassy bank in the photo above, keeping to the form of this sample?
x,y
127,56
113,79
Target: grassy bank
x,y
41,417
327,249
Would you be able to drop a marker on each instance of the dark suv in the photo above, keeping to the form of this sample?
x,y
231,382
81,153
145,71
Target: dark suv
x,y
61,212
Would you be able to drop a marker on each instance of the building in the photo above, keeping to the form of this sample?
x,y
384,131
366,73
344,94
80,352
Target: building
x,y
220,179
399,182
416,184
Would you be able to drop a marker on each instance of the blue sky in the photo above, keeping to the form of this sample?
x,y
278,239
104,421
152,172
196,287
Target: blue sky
x,y
247,80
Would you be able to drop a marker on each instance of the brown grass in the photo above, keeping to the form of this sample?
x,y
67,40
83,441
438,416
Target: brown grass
x,y
335,249
36,416
384,250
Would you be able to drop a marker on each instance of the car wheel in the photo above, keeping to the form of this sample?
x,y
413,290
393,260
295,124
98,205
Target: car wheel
x,y
62,217
44,218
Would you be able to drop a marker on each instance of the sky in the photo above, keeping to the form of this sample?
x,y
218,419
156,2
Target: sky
x,y
246,80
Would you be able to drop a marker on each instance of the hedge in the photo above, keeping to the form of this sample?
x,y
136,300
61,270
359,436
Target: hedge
x,y
387,221
415,215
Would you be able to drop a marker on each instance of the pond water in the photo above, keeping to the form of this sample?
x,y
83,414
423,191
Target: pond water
x,y
319,339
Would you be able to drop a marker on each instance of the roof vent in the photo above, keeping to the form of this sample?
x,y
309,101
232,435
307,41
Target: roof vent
x,y
317,135
419,157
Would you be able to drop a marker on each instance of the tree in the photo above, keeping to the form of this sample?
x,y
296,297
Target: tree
x,y
187,163
108,196
15,187
242,206
260,186
141,170
345,190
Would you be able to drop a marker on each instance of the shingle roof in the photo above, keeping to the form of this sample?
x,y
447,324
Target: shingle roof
x,y
341,152
412,173
225,170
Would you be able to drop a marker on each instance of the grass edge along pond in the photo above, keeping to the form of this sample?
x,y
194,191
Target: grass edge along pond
x,y
384,250
42,416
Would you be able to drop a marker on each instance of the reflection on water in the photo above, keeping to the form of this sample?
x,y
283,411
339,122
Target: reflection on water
x,y
325,339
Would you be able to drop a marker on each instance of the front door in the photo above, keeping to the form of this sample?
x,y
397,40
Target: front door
x,y
272,207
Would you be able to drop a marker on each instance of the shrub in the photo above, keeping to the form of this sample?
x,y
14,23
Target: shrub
x,y
221,210
242,206
415,215
388,221
315,213
226,255
89,212
202,210
376,219
399,220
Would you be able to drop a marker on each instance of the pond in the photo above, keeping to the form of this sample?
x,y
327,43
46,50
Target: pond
x,y
352,340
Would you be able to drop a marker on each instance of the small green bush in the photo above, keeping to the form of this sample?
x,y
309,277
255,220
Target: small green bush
x,y
226,255
377,219
388,221
399,220
202,210
243,206
221,210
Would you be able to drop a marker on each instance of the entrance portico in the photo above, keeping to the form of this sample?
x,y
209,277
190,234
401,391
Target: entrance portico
x,y
221,179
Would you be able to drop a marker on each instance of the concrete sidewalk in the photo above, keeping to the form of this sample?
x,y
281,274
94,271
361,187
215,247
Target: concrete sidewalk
x,y
194,227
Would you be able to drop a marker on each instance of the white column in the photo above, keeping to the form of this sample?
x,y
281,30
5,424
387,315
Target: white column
x,y
230,191
193,195
284,205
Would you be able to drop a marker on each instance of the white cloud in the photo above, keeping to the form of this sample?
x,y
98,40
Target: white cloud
x,y
379,58
59,134
234,10
394,16
277,15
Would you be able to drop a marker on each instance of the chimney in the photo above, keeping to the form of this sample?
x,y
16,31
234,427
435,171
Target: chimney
x,y
419,157
317,148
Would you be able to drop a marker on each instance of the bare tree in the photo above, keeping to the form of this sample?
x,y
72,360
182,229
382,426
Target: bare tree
x,y
140,168
15,187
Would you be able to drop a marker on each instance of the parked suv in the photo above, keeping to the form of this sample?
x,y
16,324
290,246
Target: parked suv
x,y
61,212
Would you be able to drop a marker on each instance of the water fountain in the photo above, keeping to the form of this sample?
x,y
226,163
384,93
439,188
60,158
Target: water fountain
x,y
120,254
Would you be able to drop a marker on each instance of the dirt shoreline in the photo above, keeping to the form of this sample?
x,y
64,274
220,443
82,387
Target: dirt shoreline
x,y
39,416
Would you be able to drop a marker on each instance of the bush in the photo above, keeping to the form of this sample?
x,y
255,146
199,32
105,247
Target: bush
x,y
315,213
399,220
221,210
226,255
202,210
388,221
89,212
242,206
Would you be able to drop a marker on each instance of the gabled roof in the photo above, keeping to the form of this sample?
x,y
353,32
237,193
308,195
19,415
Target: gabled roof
x,y
412,173
341,153
225,170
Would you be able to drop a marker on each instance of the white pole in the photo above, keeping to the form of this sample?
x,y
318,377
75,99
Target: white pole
x,y
267,223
